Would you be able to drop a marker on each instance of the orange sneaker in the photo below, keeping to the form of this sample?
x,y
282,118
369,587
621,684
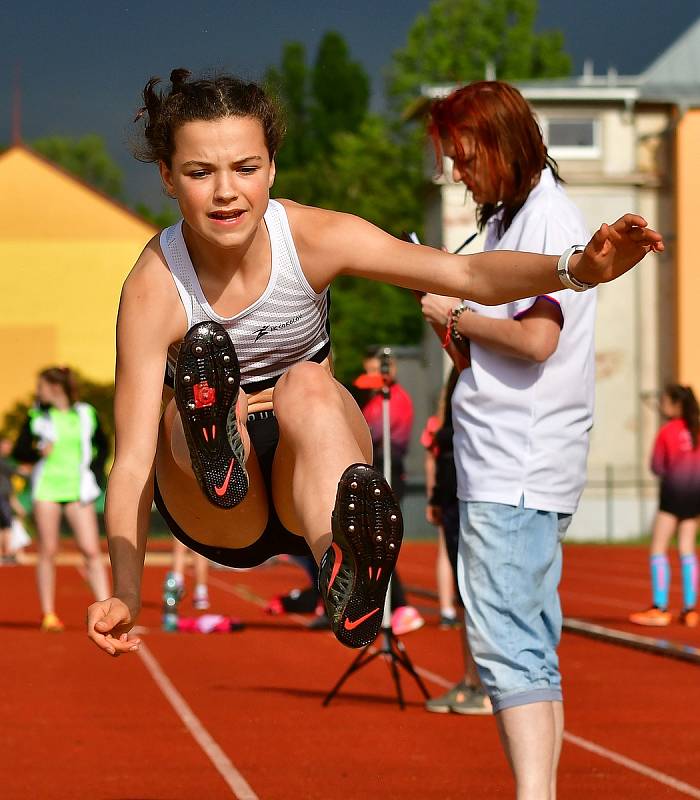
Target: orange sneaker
x,y
654,617
690,617
51,624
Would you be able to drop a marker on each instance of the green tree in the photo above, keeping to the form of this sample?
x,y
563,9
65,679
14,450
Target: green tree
x,y
377,175
167,216
365,313
454,40
340,90
290,84
86,158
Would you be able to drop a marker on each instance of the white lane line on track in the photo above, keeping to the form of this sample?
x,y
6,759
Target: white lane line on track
x,y
635,766
232,777
603,752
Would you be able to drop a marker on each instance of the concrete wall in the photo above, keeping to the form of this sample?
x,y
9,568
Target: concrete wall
x,y
688,219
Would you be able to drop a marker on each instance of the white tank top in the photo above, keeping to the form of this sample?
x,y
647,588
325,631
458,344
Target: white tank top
x,y
287,324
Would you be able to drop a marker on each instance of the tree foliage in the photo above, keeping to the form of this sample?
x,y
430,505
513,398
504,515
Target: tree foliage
x,y
337,155
340,90
87,158
164,218
455,40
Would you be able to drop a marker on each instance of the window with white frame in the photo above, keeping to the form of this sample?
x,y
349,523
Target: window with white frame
x,y
572,137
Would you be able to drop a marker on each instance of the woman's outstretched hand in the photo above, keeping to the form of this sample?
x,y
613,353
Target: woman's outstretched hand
x,y
615,249
108,625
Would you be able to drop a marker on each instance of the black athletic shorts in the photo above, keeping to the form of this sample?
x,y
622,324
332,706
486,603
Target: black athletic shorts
x,y
275,539
6,513
450,526
680,500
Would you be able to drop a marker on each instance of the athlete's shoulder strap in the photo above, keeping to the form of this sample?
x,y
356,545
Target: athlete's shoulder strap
x,y
177,258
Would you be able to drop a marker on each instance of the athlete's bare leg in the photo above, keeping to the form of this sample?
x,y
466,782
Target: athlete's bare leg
x,y
322,432
47,516
664,527
194,513
528,735
83,520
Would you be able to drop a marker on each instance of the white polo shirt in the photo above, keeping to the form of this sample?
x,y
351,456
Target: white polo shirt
x,y
521,428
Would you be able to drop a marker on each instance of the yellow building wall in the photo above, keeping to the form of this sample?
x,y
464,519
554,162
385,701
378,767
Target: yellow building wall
x,y
687,252
65,251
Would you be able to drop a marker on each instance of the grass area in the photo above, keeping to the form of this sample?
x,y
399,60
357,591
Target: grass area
x,y
637,541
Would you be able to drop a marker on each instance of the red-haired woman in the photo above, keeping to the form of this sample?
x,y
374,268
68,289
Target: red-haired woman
x,y
521,414
235,296
64,439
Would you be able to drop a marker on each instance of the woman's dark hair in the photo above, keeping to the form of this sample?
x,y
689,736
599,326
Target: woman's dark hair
x,y
202,99
63,377
506,136
689,408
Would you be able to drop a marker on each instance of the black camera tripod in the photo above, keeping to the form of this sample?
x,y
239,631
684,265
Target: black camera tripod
x,y
391,647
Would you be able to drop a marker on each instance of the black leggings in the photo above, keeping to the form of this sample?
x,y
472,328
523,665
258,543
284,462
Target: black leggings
x,y
275,539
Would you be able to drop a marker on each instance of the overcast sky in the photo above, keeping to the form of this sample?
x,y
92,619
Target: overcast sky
x,y
83,63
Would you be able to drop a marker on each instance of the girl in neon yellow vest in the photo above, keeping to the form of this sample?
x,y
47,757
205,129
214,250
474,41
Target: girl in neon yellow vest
x,y
63,432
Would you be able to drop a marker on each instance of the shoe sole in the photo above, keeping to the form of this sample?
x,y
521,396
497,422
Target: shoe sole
x,y
367,534
207,381
472,712
438,709
415,626
651,624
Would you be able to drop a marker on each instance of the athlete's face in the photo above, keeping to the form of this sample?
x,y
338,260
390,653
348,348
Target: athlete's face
x,y
49,393
221,175
471,170
671,409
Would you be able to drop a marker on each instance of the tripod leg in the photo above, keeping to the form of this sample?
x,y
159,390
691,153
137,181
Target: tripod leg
x,y
363,657
391,657
407,664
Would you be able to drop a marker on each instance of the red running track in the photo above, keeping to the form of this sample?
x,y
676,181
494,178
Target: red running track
x,y
77,724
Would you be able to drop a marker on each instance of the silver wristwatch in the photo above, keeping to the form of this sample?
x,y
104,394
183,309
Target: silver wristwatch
x,y
567,279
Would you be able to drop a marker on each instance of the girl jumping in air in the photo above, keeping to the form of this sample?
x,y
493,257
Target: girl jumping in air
x,y
259,450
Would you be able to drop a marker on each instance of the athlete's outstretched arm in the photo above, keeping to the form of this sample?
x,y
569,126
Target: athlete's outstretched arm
x,y
347,245
143,330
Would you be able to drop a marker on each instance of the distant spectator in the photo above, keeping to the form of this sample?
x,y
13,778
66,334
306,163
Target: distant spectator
x,y
174,583
676,460
467,696
404,618
441,493
62,437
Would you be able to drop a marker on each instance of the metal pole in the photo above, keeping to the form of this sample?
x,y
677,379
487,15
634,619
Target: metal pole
x,y
385,366
609,501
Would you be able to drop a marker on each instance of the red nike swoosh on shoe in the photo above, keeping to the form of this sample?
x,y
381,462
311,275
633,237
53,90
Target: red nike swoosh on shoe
x,y
336,564
349,625
221,490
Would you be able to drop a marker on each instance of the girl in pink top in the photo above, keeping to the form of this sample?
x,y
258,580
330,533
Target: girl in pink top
x,y
676,460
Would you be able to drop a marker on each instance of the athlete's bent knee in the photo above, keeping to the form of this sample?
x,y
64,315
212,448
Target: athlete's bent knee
x,y
305,385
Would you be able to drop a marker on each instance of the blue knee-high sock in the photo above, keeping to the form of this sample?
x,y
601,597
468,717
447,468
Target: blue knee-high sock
x,y
660,580
689,573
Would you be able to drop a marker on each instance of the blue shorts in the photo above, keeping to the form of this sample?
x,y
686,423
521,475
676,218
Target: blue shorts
x,y
509,570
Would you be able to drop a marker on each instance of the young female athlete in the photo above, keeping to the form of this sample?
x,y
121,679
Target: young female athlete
x,y
676,460
259,450
63,438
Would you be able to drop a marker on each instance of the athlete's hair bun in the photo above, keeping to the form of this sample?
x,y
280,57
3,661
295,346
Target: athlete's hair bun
x,y
178,78
201,99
